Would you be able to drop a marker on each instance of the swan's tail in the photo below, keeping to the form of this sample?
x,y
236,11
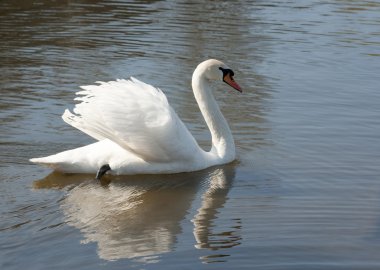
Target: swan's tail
x,y
50,162
66,161
86,159
63,166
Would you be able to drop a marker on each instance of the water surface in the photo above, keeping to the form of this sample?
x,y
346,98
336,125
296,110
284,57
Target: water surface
x,y
304,192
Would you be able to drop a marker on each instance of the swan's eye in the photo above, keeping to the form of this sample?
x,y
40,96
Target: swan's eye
x,y
227,71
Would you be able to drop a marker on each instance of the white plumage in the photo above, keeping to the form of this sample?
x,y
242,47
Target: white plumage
x,y
139,132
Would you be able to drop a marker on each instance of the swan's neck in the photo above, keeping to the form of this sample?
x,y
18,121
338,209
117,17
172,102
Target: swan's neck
x,y
222,141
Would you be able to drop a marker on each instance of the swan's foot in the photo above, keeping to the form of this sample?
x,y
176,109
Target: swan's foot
x,y
102,171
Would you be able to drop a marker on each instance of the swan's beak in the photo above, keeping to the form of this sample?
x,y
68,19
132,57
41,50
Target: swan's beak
x,y
228,79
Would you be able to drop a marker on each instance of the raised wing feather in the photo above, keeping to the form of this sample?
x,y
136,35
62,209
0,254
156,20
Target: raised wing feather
x,y
135,115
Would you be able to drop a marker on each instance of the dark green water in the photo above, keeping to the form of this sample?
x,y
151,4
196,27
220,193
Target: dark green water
x,y
305,190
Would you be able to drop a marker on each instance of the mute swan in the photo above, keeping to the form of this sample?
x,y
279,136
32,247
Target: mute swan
x,y
138,132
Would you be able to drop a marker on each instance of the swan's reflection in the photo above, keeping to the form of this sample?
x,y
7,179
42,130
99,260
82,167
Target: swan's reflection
x,y
140,216
213,199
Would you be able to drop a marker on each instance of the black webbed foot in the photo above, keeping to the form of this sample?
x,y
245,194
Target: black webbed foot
x,y
102,171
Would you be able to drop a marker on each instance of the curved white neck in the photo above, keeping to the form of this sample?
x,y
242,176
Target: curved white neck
x,y
222,141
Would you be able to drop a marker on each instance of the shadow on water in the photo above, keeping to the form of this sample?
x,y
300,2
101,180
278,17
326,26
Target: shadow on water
x,y
140,216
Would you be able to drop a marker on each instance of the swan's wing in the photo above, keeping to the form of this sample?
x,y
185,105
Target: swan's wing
x,y
135,115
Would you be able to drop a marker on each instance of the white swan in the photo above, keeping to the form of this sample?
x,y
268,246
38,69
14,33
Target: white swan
x,y
138,132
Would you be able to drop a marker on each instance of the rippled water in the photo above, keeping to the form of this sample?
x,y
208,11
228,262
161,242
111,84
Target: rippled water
x,y
305,190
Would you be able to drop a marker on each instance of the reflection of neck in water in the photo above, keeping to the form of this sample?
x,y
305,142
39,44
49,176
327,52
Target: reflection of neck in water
x,y
140,216
212,200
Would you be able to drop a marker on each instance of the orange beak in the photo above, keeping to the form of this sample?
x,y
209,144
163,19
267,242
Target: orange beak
x,y
228,79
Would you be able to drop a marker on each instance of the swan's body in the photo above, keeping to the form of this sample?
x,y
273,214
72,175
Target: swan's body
x,y
138,132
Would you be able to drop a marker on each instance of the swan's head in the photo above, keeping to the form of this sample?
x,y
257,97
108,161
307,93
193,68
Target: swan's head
x,y
217,71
